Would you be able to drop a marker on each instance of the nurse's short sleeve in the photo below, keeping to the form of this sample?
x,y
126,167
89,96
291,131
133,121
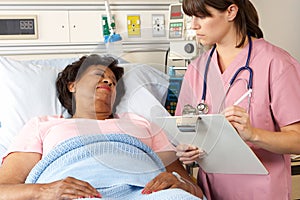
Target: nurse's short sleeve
x,y
285,92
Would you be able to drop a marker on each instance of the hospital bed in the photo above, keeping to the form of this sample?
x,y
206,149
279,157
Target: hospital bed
x,y
28,90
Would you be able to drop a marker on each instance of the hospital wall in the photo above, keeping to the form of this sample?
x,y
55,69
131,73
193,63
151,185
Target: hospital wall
x,y
73,27
279,21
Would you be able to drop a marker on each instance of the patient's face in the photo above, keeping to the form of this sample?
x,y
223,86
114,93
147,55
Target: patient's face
x,y
96,90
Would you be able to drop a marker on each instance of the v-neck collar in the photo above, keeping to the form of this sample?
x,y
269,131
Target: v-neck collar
x,y
239,61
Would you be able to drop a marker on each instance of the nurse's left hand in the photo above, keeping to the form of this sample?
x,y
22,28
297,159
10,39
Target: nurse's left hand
x,y
240,120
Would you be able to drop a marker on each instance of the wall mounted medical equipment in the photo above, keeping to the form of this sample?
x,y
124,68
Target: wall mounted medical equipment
x,y
175,82
134,25
182,39
202,107
112,40
158,28
18,27
111,36
67,27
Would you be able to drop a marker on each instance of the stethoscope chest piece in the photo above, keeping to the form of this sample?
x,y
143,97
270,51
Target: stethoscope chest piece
x,y
202,108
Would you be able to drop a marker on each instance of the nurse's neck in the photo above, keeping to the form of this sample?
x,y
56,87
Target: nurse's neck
x,y
226,55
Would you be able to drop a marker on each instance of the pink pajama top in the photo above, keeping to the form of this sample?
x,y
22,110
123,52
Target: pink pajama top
x,y
275,103
41,134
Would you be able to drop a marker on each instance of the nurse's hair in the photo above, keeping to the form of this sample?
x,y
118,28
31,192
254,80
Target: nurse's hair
x,y
246,20
74,72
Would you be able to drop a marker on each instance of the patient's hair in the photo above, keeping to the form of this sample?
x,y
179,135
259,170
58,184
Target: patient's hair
x,y
246,21
75,70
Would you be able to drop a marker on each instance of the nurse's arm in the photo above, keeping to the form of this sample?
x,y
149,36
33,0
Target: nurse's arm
x,y
287,141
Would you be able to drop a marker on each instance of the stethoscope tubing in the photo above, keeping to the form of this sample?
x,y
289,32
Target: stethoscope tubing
x,y
206,72
246,67
249,86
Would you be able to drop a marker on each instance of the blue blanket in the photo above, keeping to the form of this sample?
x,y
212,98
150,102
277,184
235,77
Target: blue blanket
x,y
117,165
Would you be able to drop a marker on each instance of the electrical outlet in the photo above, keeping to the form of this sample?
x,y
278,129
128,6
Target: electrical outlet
x,y
134,25
158,22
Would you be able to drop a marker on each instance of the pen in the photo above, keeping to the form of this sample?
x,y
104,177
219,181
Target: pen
x,y
243,97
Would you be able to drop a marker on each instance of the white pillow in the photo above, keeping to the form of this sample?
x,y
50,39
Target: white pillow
x,y
53,62
28,90
145,91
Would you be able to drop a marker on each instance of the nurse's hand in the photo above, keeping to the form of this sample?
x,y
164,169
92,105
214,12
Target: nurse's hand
x,y
188,153
240,120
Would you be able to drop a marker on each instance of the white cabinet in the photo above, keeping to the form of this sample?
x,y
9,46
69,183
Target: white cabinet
x,y
85,26
53,27
63,27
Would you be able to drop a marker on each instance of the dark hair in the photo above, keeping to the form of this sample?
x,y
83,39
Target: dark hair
x,y
75,70
246,20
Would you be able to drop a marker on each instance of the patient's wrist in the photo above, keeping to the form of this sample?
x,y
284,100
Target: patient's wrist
x,y
192,187
178,177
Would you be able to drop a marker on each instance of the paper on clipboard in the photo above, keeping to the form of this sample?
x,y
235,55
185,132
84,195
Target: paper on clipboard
x,y
225,151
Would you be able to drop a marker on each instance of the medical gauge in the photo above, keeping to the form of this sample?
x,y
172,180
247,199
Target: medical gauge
x,y
202,107
176,25
183,45
18,27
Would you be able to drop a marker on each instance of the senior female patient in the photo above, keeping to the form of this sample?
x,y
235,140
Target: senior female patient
x,y
87,88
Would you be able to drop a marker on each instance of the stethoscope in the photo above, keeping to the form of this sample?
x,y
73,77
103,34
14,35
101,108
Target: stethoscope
x,y
202,107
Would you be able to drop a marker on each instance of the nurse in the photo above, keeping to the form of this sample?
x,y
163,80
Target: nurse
x,y
268,120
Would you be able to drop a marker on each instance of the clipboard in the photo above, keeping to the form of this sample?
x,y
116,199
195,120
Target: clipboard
x,y
226,152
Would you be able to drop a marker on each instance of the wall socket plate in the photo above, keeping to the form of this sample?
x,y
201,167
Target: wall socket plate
x,y
158,28
134,25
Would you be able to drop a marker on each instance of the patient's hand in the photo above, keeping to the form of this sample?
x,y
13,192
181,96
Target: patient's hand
x,y
163,181
68,188
174,177
188,153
